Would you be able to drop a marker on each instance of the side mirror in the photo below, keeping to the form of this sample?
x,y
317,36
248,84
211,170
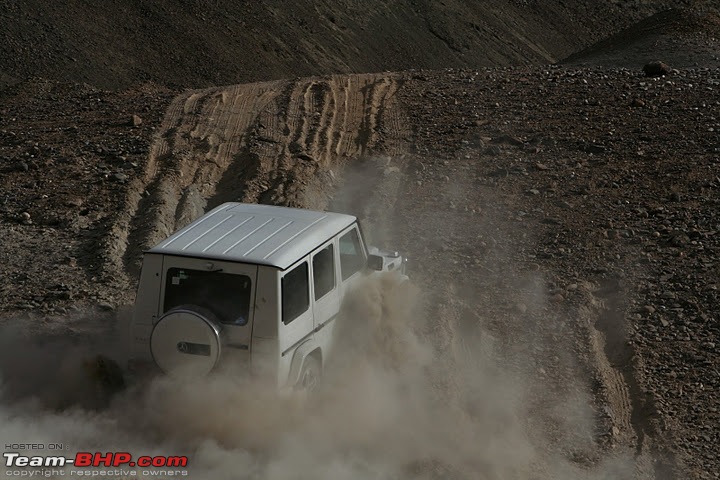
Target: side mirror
x,y
375,262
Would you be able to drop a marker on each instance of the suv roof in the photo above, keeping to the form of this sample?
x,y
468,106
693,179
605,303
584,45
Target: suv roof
x,y
259,234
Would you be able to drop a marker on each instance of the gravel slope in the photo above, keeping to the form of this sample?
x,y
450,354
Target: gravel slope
x,y
562,223
568,214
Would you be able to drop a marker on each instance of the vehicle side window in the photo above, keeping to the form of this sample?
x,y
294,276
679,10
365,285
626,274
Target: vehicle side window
x,y
351,256
295,293
323,271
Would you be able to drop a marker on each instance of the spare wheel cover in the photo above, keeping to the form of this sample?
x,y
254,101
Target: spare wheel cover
x,y
186,341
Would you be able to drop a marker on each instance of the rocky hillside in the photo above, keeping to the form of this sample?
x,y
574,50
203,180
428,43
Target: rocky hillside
x,y
196,43
563,222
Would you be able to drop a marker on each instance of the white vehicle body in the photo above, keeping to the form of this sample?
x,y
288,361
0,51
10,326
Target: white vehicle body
x,y
248,287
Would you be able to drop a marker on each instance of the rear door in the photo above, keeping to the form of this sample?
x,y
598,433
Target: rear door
x,y
226,289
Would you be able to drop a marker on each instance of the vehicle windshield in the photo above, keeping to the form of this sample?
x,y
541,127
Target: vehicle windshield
x,y
224,294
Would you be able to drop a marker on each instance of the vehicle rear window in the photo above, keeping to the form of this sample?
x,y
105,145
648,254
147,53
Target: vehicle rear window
x,y
295,293
225,294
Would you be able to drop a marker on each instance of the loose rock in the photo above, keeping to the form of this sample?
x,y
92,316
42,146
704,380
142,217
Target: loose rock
x,y
656,69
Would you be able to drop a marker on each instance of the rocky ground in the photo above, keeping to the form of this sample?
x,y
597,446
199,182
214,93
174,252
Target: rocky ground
x,y
607,183
68,152
565,218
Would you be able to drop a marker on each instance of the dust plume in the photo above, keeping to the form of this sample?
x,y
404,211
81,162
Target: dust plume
x,y
388,408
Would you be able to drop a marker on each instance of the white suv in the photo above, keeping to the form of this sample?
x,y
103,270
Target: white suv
x,y
252,287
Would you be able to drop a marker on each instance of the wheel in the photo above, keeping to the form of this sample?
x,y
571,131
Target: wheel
x,y
309,375
105,379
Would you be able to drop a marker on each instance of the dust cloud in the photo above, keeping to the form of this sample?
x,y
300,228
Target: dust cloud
x,y
392,406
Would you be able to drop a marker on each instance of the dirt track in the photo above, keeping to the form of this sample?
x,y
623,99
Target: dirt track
x,y
562,223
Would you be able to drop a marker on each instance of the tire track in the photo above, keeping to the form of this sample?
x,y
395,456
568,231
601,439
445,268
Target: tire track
x,y
199,135
631,409
120,232
281,142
